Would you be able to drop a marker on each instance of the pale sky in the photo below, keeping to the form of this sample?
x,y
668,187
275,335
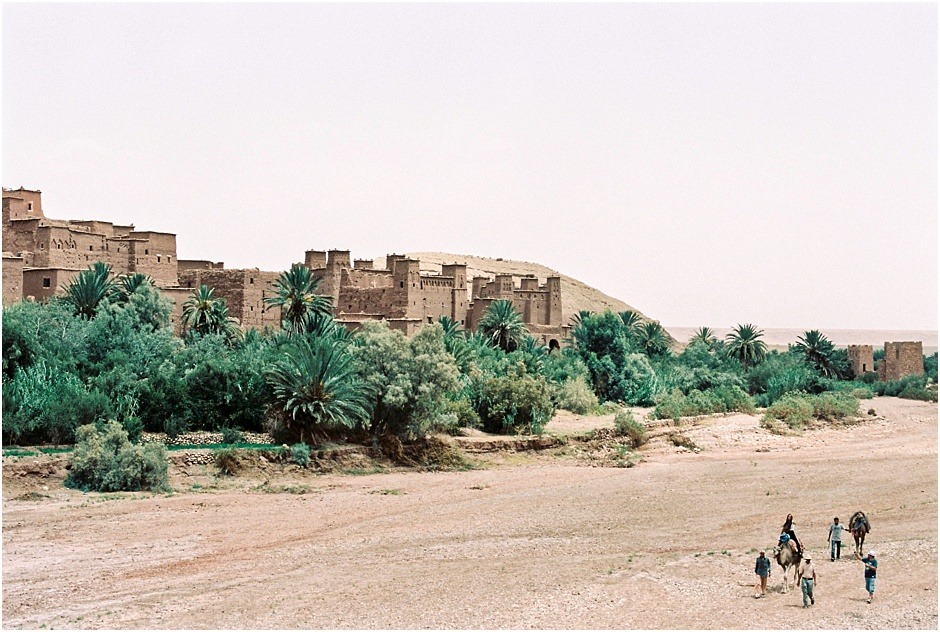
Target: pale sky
x,y
707,164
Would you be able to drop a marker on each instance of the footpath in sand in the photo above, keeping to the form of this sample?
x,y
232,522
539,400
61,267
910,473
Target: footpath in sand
x,y
529,540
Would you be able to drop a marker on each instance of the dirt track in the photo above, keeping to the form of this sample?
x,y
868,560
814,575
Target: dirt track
x,y
538,541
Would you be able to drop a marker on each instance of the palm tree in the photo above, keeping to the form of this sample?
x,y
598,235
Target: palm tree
x,y
631,323
127,284
817,350
205,314
704,336
455,341
317,388
651,338
298,299
580,317
88,288
502,325
744,344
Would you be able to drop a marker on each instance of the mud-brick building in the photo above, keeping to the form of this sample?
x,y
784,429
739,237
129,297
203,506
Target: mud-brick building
x,y
398,293
53,251
901,359
538,304
244,291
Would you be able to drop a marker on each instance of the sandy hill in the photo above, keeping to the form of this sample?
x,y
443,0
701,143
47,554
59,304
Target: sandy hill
x,y
575,295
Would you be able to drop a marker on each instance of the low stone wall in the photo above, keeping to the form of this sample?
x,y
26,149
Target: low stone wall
x,y
202,438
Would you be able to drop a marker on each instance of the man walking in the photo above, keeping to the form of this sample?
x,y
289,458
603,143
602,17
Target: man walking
x,y
835,540
807,577
762,570
871,570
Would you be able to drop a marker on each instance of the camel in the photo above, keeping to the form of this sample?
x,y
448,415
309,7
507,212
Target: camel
x,y
787,558
859,526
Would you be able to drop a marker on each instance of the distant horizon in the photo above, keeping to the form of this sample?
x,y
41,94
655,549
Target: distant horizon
x,y
714,163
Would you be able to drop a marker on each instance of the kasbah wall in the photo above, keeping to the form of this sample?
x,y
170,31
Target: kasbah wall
x,y
901,359
41,255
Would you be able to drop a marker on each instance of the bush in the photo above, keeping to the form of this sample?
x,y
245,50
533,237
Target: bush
x,y
134,427
232,435
721,399
227,462
104,460
798,409
300,454
574,395
44,404
792,409
628,426
517,403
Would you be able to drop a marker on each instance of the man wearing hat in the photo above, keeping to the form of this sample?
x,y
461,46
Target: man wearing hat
x,y
807,577
762,570
871,569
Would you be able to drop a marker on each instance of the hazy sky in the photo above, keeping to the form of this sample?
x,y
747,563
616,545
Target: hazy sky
x,y
708,164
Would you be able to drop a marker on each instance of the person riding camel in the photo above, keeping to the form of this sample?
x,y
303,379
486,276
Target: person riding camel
x,y
791,538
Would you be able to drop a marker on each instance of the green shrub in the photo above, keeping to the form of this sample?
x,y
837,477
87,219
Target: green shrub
x,y
919,393
300,454
134,427
798,409
227,461
232,435
628,426
104,460
514,403
574,395
44,404
721,399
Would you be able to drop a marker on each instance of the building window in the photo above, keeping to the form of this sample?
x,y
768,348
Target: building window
x,y
251,280
91,248
401,284
46,282
158,258
897,354
29,206
42,246
146,251
430,320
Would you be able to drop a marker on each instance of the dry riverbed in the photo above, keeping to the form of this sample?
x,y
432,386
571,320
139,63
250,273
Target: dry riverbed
x,y
529,539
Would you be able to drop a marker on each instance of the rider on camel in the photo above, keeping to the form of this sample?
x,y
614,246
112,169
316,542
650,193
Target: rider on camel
x,y
791,535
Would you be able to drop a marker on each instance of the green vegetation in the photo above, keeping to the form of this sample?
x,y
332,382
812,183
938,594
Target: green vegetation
x,y
105,460
719,399
628,426
300,454
796,410
105,352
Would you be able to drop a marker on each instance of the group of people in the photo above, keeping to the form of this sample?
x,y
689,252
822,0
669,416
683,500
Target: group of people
x,y
806,572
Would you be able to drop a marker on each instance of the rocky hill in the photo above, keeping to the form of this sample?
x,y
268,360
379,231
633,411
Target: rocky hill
x,y
575,295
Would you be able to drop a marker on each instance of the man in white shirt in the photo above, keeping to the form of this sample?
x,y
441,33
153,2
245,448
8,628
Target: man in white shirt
x,y
835,540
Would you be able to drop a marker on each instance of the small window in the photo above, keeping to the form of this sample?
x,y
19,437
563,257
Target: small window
x,y
251,280
897,354
46,282
91,248
42,246
29,206
158,258
401,284
864,368
430,320
146,251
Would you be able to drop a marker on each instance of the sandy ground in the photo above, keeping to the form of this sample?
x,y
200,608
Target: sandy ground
x,y
530,540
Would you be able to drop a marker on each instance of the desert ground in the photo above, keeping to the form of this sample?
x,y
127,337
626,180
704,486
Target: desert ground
x,y
536,539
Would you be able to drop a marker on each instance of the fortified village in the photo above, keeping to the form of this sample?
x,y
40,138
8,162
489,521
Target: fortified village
x,y
41,255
